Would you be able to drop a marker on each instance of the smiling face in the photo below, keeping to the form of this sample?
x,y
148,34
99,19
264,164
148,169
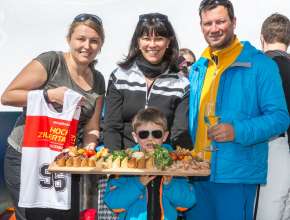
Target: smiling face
x,y
153,47
84,44
217,27
144,135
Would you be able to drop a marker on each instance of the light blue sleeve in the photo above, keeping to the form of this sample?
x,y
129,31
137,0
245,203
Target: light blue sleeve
x,y
274,117
180,192
122,192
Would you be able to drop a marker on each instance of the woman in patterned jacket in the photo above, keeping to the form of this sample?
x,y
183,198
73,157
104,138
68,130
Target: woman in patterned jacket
x,y
147,77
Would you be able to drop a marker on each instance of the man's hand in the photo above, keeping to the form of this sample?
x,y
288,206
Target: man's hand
x,y
221,132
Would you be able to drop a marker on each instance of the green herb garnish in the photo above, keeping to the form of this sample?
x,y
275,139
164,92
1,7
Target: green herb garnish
x,y
162,160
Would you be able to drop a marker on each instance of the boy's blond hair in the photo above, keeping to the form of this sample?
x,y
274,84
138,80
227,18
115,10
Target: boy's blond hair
x,y
148,115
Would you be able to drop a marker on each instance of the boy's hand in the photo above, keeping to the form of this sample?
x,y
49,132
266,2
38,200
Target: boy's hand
x,y
146,179
167,179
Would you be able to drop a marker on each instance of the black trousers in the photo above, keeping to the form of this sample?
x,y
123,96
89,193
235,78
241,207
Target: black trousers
x,y
12,168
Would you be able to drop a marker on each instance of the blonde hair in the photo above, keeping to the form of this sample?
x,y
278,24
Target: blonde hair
x,y
148,115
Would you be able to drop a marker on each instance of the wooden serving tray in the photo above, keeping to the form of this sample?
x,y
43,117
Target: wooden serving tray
x,y
129,171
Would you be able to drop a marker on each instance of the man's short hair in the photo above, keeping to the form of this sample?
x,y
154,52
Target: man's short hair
x,y
206,5
149,115
276,28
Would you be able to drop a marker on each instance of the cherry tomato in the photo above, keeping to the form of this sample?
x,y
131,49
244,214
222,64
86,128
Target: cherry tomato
x,y
91,152
173,155
180,156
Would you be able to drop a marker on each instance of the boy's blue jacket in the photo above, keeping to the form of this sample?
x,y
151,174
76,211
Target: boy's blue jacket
x,y
251,98
128,196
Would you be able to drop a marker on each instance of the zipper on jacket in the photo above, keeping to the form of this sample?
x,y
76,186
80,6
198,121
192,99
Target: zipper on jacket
x,y
154,208
214,154
212,84
148,89
148,93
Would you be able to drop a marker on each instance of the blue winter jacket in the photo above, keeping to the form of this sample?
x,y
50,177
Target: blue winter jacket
x,y
251,98
128,197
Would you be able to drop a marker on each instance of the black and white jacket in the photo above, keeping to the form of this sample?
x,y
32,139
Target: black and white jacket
x,y
127,93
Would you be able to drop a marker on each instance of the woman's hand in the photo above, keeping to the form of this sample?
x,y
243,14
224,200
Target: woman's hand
x,y
57,94
146,179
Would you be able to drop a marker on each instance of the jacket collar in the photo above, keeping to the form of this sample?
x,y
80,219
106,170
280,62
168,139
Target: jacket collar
x,y
243,60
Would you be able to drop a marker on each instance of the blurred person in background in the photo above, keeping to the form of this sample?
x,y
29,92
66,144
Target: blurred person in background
x,y
185,60
274,197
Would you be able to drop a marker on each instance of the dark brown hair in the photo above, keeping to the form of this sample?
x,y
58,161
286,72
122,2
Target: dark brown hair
x,y
207,5
276,28
149,24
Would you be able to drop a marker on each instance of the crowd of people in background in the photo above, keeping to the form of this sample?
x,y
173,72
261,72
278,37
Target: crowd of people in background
x,y
160,87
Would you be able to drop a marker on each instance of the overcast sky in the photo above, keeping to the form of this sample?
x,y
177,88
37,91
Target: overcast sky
x,y
27,29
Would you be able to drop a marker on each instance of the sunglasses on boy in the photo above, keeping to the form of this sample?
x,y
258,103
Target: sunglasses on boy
x,y
84,17
157,134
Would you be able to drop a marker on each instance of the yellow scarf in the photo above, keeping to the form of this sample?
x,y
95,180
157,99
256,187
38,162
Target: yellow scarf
x,y
214,71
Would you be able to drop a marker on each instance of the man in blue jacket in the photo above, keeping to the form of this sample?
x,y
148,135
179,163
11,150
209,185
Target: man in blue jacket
x,y
248,98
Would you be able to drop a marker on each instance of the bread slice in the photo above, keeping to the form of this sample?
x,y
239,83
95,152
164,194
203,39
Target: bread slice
x,y
124,163
116,163
69,162
92,163
109,162
60,162
149,163
85,162
141,164
99,163
132,163
77,161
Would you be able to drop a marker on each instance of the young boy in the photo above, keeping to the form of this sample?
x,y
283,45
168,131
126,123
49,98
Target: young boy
x,y
128,195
